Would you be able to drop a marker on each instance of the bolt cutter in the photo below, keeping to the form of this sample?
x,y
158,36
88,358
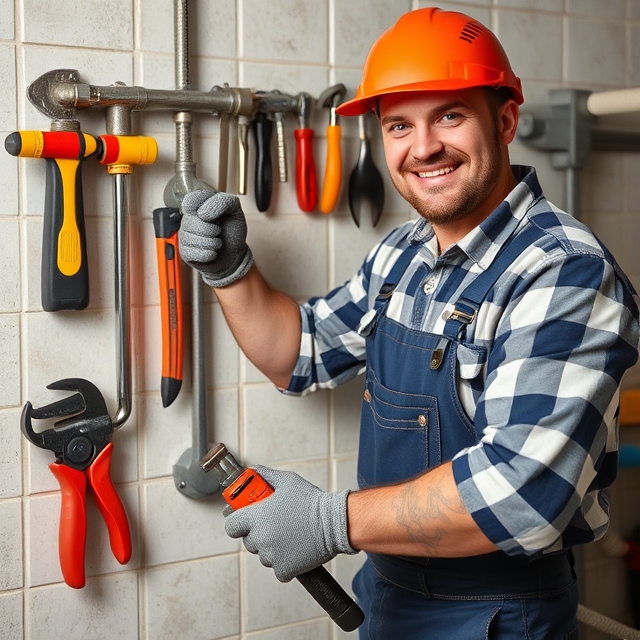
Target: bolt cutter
x,y
82,446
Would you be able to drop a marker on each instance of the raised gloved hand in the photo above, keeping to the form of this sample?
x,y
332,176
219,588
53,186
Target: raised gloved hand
x,y
297,528
213,235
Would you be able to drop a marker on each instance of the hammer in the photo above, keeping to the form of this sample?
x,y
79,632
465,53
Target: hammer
x,y
65,277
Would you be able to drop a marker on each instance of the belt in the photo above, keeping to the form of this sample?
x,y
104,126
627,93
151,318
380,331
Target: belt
x,y
487,577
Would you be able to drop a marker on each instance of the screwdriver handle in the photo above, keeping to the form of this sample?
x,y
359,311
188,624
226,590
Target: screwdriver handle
x,y
250,487
262,130
306,180
333,170
166,224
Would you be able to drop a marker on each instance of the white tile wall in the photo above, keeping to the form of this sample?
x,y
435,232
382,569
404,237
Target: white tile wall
x,y
187,579
194,600
73,23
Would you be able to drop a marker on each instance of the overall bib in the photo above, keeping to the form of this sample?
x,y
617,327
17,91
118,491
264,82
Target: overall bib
x,y
413,420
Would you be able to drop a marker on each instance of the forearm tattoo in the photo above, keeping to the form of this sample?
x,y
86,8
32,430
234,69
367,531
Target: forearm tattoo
x,y
427,516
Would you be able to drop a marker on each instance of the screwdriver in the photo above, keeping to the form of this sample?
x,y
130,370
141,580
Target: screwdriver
x,y
306,179
243,486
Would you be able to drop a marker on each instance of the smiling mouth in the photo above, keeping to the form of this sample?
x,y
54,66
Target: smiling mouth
x,y
435,173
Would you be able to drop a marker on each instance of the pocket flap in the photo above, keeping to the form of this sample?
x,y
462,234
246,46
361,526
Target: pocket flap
x,y
471,360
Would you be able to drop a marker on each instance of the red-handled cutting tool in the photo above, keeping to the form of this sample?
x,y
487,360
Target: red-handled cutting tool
x,y
82,445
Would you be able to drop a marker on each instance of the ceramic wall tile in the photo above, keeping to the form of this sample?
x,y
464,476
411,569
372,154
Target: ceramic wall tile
x,y
10,265
108,606
11,441
11,544
73,23
179,528
285,30
603,61
194,600
11,620
281,428
10,358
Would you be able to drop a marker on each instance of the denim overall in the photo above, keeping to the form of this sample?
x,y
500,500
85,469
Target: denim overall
x,y
412,420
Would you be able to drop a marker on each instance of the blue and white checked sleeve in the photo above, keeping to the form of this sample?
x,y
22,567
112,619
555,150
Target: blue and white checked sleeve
x,y
331,350
548,413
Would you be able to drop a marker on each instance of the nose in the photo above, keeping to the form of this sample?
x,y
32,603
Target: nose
x,y
425,143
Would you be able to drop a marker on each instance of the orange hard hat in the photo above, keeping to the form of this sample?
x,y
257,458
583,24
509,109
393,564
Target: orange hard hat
x,y
432,50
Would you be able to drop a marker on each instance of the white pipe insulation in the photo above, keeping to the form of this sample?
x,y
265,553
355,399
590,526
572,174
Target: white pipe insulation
x,y
616,101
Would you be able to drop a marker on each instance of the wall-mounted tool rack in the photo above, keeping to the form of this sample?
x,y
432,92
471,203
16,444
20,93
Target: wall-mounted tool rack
x,y
61,95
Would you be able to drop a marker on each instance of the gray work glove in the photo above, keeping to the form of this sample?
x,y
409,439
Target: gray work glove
x,y
297,528
213,235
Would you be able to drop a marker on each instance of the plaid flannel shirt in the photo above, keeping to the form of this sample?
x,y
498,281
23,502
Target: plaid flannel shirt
x,y
560,327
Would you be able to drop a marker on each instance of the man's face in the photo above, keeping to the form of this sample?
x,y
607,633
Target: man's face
x,y
446,153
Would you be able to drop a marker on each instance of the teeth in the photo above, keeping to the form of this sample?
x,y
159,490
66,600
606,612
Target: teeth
x,y
437,172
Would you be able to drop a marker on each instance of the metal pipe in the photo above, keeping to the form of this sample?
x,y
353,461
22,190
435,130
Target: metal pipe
x,y
235,101
119,123
617,101
189,476
123,344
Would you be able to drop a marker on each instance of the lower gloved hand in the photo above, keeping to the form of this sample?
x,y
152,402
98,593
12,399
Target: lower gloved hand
x,y
297,528
213,235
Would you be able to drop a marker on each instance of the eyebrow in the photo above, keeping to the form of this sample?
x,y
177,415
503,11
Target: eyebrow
x,y
449,106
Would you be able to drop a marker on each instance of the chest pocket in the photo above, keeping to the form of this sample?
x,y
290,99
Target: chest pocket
x,y
403,428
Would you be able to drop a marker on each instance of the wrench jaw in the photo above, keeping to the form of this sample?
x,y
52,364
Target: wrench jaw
x,y
83,433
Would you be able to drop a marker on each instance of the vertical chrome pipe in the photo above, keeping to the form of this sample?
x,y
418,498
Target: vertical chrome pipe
x,y
188,475
119,123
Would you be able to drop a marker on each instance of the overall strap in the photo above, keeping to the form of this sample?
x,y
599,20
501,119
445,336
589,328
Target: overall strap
x,y
370,319
467,305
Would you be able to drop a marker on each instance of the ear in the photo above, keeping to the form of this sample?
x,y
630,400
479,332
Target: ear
x,y
508,116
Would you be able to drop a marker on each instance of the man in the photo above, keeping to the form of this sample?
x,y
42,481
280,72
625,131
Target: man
x,y
494,333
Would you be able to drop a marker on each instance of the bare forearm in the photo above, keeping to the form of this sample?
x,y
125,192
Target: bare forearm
x,y
421,517
266,324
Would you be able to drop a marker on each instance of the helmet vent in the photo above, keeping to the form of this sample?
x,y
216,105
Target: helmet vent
x,y
470,32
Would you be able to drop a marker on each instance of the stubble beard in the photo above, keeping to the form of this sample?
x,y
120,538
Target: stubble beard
x,y
471,195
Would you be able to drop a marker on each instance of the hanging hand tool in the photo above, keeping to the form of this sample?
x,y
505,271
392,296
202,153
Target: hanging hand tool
x,y
273,105
166,223
262,129
120,151
83,448
365,184
243,153
65,276
242,487
306,180
331,98
283,173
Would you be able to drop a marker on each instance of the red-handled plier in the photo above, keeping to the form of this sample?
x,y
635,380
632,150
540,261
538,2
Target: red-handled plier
x,y
82,446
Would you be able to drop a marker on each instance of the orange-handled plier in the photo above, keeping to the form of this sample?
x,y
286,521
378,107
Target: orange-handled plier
x,y
82,447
